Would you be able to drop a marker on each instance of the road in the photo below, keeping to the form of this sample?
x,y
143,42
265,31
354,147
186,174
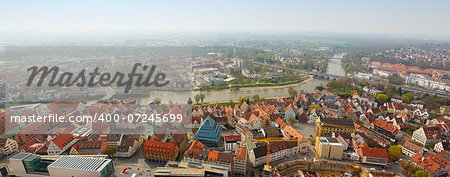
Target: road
x,y
137,163
109,93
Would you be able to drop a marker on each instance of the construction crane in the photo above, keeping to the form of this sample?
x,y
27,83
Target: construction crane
x,y
319,134
268,141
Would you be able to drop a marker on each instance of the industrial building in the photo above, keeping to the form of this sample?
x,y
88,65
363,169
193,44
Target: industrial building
x,y
27,164
81,167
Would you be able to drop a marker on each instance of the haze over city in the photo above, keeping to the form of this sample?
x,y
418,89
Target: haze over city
x,y
412,17
253,88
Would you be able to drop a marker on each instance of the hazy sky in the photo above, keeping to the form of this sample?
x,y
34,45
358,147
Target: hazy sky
x,y
429,17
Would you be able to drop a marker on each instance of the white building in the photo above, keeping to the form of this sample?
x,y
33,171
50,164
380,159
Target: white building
x,y
426,135
442,146
364,76
427,83
410,149
81,167
231,142
240,160
8,146
278,150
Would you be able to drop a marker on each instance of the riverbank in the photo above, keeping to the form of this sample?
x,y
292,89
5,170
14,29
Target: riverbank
x,y
279,86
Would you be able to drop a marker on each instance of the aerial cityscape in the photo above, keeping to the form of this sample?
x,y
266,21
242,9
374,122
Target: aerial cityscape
x,y
210,89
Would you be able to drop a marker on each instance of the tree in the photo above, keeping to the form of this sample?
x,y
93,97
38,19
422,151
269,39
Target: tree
x,y
157,100
379,86
382,98
110,151
395,152
255,97
390,90
292,92
197,98
396,80
431,145
202,97
311,107
320,88
241,100
405,98
421,173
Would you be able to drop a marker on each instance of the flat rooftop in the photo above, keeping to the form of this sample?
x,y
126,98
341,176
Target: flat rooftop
x,y
80,163
21,156
330,140
184,169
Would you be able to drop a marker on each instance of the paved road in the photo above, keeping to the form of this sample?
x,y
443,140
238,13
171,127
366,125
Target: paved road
x,y
109,93
138,165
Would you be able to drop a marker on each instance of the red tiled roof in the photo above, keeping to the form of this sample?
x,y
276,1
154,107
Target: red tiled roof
x,y
90,145
62,140
432,132
430,161
388,126
60,107
232,138
290,131
374,152
194,149
411,146
213,156
281,123
155,146
240,152
402,70
437,70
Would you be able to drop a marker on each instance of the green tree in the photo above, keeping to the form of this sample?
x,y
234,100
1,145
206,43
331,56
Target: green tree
x,y
421,173
292,92
320,88
405,98
110,151
311,107
379,86
382,98
157,100
241,100
202,97
197,98
396,80
395,152
255,97
431,145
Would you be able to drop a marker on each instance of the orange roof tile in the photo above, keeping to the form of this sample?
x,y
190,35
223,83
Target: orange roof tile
x,y
62,140
155,146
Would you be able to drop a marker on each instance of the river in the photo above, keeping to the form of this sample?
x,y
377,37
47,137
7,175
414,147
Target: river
x,y
335,65
334,68
226,95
